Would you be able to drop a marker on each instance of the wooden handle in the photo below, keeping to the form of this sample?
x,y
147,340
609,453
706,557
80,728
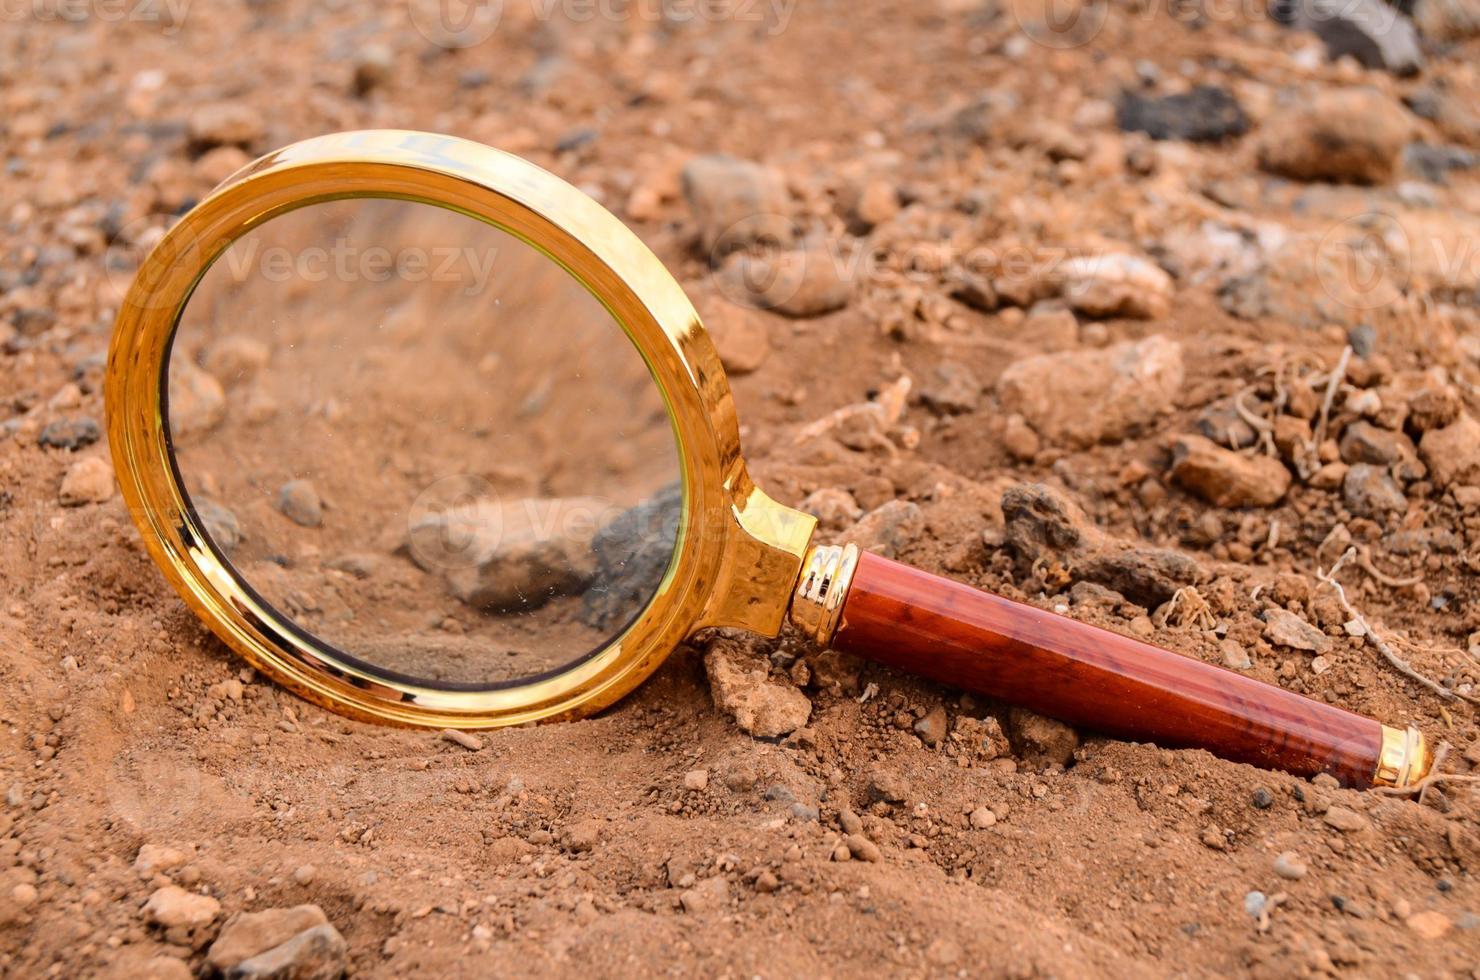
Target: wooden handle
x,y
1094,678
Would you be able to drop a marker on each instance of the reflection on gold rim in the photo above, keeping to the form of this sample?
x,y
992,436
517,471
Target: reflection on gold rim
x,y
738,552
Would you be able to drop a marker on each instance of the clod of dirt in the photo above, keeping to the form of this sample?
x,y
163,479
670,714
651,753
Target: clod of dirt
x,y
1284,628
71,434
1453,452
1227,478
197,400
740,684
736,203
1363,442
1205,114
220,523
1046,530
1348,135
173,906
709,895
1079,398
88,481
833,507
932,727
225,124
1375,34
236,357
1346,820
739,334
318,953
1041,741
955,390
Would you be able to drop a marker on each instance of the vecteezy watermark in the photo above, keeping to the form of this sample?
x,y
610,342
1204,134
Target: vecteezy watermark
x,y
168,14
345,261
1060,24
1365,261
1064,24
464,23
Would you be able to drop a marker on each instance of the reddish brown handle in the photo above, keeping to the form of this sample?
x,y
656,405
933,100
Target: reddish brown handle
x,y
1092,677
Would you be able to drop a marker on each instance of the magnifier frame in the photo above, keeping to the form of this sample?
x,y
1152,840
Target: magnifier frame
x,y
738,553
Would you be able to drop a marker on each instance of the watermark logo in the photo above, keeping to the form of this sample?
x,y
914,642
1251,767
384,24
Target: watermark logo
x,y
1060,24
456,24
1365,261
168,15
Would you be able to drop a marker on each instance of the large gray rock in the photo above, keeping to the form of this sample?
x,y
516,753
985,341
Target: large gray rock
x,y
1376,34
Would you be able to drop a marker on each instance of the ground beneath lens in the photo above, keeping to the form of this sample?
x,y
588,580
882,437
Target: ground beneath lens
x,y
1158,384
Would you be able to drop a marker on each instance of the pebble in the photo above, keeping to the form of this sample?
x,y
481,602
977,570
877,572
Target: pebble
x,y
1051,327
1019,439
1346,820
24,894
1284,628
1262,799
374,67
736,203
1205,114
251,933
833,507
319,953
1044,741
220,524
73,433
1289,866
983,817
299,502
1225,478
155,858
955,391
851,822
932,727
1235,657
802,282
863,849
197,400
88,481
305,873
740,334
1452,453
1116,284
1429,925
584,834
709,895
1368,491
696,780
173,906
741,686
225,124
889,529
1255,903
1353,135
1082,397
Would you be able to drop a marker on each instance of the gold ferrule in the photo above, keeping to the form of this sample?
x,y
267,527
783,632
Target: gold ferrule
x,y
818,602
1404,759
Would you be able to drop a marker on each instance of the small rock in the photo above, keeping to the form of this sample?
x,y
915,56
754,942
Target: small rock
x,y
73,434
299,502
803,282
1289,866
833,507
1042,741
154,858
932,728
1429,925
1284,628
1375,34
1368,491
739,333
709,895
1079,398
304,874
877,203
1363,442
197,402
1205,114
250,933
173,906
319,953
1262,799
1345,135
583,835
886,787
88,481
1255,903
1452,453
1235,657
220,524
1019,439
1345,820
696,780
889,529
863,849
225,124
955,392
236,358
1051,327
1226,478
741,686
983,817
1116,284
374,67
737,204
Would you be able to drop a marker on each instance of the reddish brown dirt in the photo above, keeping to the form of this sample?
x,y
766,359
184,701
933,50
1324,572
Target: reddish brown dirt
x,y
564,850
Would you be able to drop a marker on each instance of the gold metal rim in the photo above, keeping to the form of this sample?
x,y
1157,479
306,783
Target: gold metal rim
x,y
738,552
1404,758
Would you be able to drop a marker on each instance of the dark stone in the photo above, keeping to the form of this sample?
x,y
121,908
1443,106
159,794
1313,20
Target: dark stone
x,y
1245,297
1363,338
71,434
1263,799
1371,31
632,555
1204,115
1434,163
1370,492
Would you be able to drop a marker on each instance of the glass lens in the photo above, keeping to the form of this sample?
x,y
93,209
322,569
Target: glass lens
x,y
423,442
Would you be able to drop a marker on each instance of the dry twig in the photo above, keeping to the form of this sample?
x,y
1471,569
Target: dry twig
x,y
1364,562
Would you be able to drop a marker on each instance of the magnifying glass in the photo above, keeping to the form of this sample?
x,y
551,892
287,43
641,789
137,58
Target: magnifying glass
x,y
431,438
